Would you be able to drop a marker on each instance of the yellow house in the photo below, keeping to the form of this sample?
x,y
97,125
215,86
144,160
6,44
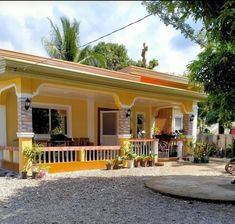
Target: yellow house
x,y
96,109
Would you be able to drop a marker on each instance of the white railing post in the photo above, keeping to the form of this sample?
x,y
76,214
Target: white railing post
x,y
155,149
180,150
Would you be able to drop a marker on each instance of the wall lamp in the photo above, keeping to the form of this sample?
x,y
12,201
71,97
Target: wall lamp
x,y
191,118
128,113
27,104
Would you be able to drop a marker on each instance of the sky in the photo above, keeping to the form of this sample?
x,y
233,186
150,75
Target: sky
x,y
24,24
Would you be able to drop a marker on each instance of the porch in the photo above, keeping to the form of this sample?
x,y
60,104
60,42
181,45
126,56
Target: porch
x,y
72,158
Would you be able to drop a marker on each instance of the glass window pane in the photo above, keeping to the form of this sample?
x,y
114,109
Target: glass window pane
x,y
109,123
178,123
58,121
40,120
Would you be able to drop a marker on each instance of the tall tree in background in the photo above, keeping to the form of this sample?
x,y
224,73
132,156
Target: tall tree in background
x,y
64,44
214,69
117,57
115,54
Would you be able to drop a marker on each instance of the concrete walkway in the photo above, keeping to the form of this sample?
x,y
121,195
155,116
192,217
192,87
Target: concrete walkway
x,y
197,186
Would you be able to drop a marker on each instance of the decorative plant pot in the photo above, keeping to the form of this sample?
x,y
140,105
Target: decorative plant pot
x,y
196,160
130,163
151,163
24,175
109,166
144,163
125,163
137,163
34,175
116,166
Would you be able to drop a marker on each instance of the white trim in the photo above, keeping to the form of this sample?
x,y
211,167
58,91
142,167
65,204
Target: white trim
x,y
125,106
25,134
24,95
124,136
60,107
8,87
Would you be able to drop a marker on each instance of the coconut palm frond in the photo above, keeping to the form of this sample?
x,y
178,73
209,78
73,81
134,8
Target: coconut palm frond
x,y
64,45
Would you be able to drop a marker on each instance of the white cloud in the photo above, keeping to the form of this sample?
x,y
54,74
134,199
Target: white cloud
x,y
97,19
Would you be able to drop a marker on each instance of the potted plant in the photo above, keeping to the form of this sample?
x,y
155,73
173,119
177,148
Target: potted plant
x,y
43,171
128,155
156,132
143,160
32,155
109,164
151,160
137,161
117,162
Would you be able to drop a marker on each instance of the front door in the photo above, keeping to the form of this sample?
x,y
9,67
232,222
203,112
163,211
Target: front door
x,y
108,128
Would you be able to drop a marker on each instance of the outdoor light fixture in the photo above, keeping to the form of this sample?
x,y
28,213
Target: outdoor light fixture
x,y
128,113
27,104
191,117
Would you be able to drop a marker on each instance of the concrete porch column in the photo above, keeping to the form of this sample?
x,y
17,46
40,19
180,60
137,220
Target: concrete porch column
x,y
25,127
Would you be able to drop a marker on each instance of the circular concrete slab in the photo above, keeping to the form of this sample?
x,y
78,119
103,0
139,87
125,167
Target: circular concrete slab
x,y
203,188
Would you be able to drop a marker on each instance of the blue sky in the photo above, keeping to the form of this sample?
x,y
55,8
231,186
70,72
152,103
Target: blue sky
x,y
24,24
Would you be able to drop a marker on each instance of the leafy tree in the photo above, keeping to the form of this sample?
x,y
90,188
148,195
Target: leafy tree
x,y
214,68
115,54
64,44
117,57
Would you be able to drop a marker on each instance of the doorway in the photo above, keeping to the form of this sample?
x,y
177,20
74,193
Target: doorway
x,y
108,127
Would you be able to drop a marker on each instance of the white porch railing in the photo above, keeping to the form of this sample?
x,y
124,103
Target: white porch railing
x,y
142,146
9,154
77,153
163,148
95,153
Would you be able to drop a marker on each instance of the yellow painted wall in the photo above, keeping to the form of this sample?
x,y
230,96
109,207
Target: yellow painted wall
x,y
78,112
11,117
140,109
164,120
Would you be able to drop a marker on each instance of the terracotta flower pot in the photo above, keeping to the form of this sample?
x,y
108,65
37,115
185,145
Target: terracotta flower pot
x,y
24,175
34,175
109,166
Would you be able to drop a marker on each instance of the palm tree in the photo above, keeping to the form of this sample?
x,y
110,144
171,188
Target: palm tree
x,y
65,45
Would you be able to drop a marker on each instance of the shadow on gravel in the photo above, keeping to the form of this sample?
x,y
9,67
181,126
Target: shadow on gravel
x,y
104,200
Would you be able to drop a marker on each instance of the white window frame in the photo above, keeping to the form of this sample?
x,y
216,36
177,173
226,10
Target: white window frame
x,y
173,122
67,108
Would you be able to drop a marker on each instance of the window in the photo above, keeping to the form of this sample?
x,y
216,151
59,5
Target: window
x,y
140,124
49,121
178,123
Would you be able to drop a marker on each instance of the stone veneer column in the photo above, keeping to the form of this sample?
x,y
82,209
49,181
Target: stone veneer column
x,y
187,125
124,123
24,116
188,131
25,128
124,126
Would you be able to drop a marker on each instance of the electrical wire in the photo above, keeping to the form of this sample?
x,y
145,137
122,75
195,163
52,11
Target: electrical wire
x,y
122,28
90,42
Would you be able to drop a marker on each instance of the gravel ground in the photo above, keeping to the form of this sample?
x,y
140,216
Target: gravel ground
x,y
100,196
